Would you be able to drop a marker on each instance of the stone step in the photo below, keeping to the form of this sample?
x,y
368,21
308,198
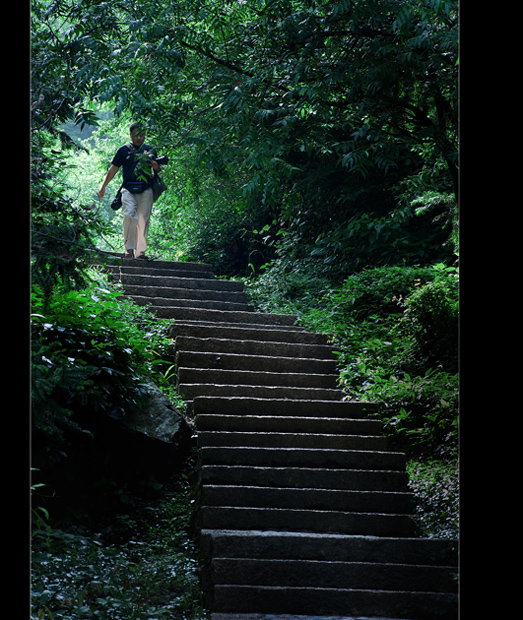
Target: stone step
x,y
263,363
167,280
333,574
287,424
122,262
236,332
247,377
257,616
166,265
278,407
288,519
267,544
189,391
223,316
191,303
275,328
292,440
254,347
303,477
183,271
329,500
166,292
303,457
329,601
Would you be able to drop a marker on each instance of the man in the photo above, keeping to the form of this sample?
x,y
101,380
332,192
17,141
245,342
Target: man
x,y
137,193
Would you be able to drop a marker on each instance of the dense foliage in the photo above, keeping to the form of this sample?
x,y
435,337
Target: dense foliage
x,y
334,121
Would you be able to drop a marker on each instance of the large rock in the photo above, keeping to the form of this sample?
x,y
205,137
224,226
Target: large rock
x,y
122,458
157,418
154,438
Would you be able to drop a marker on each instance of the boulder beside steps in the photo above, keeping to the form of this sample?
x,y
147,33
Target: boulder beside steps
x,y
302,509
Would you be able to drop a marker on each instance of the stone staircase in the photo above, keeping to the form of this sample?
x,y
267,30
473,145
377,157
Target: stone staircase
x,y
302,508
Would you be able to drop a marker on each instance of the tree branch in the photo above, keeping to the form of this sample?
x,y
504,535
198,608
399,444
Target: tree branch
x,y
219,61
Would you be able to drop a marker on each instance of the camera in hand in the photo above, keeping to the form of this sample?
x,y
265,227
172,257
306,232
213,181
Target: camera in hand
x,y
161,160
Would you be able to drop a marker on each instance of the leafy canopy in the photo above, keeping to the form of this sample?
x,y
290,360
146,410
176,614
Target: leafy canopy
x,y
318,111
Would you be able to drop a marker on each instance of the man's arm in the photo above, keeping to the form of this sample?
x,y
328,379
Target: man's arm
x,y
108,178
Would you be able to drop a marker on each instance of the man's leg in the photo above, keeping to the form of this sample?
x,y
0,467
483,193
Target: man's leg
x,y
144,209
130,221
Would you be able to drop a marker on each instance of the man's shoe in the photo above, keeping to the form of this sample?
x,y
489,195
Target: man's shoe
x,y
141,257
129,254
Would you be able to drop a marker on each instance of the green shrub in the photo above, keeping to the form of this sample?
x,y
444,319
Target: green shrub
x,y
376,290
290,287
407,364
90,352
429,324
420,413
305,285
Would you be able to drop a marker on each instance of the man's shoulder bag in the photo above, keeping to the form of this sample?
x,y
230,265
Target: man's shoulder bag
x,y
158,186
117,200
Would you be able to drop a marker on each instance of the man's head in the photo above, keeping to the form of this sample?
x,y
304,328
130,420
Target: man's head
x,y
137,134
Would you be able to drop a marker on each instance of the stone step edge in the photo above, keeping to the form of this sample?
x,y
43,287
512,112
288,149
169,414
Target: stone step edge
x,y
336,574
212,339
305,519
303,457
160,261
301,477
170,280
207,304
329,601
311,450
115,272
175,293
232,404
262,616
249,326
252,363
226,316
274,544
228,421
265,374
224,390
334,562
345,470
254,347
235,331
121,260
271,439
298,492
266,512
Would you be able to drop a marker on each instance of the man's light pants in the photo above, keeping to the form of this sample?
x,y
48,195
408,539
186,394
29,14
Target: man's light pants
x,y
136,209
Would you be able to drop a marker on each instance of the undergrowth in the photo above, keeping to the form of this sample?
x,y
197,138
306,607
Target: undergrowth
x,y
435,485
149,574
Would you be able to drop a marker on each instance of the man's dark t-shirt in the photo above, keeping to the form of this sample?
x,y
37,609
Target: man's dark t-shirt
x,y
126,159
